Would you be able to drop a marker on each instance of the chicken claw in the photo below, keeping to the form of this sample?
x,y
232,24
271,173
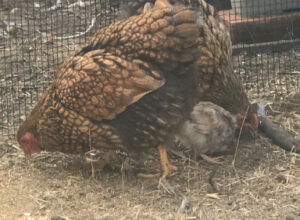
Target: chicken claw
x,y
166,166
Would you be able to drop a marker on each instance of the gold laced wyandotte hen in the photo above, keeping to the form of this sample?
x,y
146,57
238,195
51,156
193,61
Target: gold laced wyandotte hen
x,y
217,84
134,84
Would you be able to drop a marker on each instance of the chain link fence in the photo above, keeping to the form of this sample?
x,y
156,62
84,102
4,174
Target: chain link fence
x,y
36,36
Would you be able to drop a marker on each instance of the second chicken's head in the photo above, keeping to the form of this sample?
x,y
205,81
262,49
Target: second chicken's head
x,y
250,122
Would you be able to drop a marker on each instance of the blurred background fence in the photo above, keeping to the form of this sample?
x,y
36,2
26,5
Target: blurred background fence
x,y
36,36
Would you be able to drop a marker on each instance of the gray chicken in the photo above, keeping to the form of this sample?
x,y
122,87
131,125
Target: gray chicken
x,y
210,129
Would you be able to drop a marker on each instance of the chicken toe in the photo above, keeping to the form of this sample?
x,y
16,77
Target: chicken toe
x,y
214,160
165,185
166,167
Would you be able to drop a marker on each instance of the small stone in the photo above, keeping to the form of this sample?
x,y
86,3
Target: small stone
x,y
289,217
184,206
56,217
103,217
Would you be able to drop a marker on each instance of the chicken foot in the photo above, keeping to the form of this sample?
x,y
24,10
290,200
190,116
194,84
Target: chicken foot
x,y
166,167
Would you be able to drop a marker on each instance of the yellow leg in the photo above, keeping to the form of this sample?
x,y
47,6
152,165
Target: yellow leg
x,y
166,166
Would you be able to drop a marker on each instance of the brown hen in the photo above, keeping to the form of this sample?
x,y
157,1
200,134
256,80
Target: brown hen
x,y
135,82
217,81
119,91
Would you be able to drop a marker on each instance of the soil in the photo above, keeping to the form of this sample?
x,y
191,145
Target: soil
x,y
264,183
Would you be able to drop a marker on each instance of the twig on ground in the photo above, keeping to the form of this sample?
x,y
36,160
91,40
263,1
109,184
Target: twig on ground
x,y
57,5
78,34
238,140
79,3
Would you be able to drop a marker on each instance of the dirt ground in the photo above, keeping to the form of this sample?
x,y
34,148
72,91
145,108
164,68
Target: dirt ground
x,y
264,183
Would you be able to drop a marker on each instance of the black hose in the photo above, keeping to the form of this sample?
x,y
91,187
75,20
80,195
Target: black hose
x,y
280,137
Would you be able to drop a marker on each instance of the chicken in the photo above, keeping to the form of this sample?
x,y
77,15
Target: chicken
x,y
210,129
217,81
133,84
120,90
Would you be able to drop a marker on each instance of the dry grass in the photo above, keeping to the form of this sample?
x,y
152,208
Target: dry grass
x,y
264,185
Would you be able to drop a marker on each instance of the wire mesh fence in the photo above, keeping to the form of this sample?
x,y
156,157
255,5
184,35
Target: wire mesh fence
x,y
36,36
265,35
